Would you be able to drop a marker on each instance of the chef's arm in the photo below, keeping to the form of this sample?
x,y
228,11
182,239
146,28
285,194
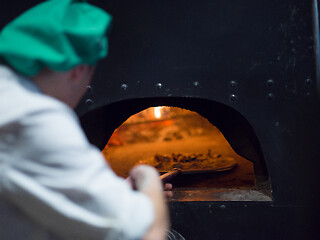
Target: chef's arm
x,y
146,180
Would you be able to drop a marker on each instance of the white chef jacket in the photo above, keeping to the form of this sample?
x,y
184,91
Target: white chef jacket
x,y
53,183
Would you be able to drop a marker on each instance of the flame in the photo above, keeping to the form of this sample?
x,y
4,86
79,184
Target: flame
x,y
157,112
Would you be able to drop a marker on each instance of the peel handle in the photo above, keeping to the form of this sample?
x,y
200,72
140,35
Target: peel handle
x,y
169,175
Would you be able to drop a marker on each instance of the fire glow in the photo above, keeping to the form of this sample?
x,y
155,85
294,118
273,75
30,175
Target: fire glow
x,y
157,112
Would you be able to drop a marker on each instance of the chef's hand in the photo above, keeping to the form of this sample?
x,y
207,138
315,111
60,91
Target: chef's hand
x,y
167,187
168,190
146,179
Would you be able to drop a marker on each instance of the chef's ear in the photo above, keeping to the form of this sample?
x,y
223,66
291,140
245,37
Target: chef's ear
x,y
80,71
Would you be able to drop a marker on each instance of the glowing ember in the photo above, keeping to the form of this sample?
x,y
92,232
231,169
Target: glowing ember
x,y
157,112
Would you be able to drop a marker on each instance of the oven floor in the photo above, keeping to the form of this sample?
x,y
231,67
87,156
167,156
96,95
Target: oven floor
x,y
219,195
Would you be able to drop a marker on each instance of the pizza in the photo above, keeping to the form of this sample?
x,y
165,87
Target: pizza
x,y
191,162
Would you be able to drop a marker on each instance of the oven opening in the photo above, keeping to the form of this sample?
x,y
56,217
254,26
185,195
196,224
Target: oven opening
x,y
182,140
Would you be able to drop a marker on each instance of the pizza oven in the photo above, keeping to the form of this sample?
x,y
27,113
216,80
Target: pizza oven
x,y
234,81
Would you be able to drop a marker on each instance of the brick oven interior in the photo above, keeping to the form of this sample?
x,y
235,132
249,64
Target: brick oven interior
x,y
140,137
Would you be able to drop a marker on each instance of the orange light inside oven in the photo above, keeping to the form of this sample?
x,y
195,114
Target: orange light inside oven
x,y
167,131
157,112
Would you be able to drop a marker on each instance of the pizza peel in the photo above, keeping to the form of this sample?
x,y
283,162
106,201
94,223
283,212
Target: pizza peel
x,y
169,171
167,176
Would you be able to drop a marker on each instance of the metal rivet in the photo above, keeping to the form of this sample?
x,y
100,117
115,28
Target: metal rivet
x,y
223,206
308,81
89,88
124,87
89,102
196,84
308,94
233,98
270,83
277,124
159,85
233,84
271,96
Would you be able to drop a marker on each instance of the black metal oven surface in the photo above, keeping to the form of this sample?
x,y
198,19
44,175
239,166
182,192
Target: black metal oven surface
x,y
251,68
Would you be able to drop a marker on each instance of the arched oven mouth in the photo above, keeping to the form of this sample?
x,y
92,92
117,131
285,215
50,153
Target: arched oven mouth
x,y
213,146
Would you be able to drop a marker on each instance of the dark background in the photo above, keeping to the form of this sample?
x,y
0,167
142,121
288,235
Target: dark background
x,y
250,67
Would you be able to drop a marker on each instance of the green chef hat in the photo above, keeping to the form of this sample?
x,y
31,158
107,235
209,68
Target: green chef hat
x,y
58,34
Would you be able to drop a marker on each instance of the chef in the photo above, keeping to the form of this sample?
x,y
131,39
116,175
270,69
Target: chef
x,y
53,183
